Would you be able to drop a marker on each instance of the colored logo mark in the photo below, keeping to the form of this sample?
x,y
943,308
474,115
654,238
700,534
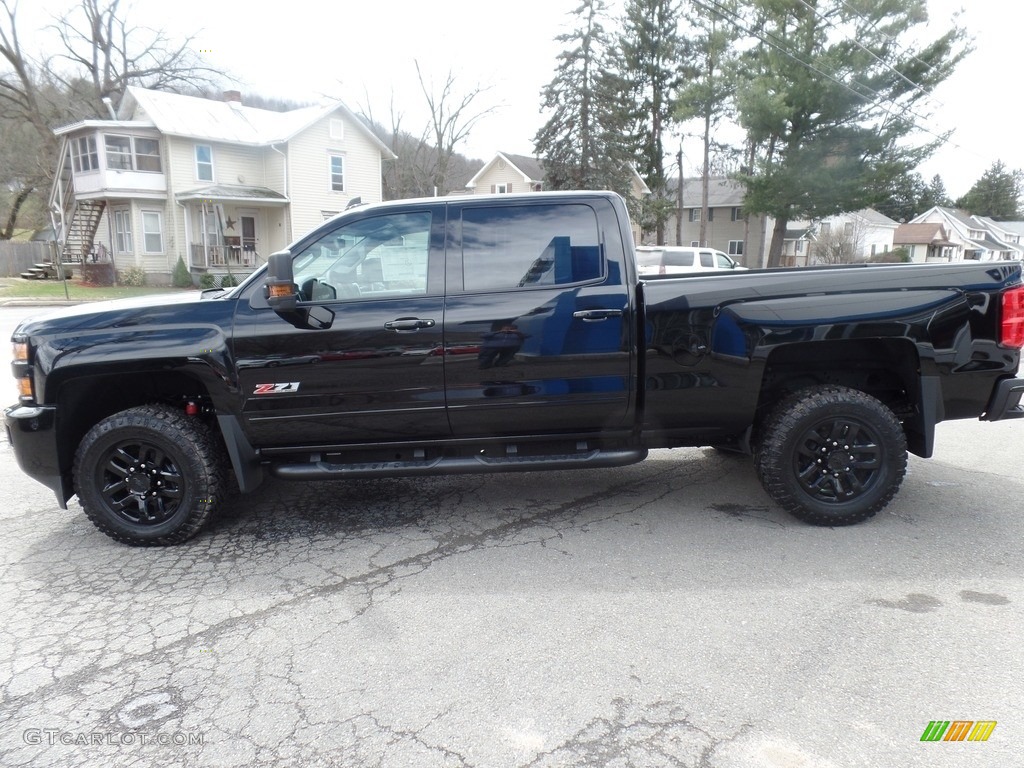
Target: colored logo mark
x,y
958,730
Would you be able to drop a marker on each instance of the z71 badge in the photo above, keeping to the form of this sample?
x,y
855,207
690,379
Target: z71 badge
x,y
269,389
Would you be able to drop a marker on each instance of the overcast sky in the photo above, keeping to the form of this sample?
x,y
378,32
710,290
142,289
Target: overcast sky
x,y
363,52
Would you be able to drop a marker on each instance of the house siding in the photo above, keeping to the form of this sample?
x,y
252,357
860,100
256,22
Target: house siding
x,y
507,175
308,170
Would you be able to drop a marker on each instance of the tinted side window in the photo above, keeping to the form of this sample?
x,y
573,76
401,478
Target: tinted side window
x,y
679,259
504,248
707,259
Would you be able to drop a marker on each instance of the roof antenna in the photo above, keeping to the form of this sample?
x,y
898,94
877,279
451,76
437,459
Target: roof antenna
x,y
354,202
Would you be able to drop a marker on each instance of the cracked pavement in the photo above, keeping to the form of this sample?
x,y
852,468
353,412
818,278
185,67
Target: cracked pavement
x,y
663,614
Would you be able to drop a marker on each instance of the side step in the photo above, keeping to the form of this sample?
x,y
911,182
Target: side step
x,y
457,465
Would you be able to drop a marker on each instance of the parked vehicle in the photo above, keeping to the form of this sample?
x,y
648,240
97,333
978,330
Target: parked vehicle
x,y
679,260
506,333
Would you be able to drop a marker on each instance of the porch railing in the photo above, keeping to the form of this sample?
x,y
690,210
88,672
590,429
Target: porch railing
x,y
212,256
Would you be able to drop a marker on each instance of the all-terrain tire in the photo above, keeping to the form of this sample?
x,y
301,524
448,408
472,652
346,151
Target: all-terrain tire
x,y
831,455
150,475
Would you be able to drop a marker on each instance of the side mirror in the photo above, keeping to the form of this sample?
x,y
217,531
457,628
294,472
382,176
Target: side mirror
x,y
282,295
279,285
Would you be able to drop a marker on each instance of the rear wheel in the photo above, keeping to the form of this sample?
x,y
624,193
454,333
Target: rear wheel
x,y
150,475
831,455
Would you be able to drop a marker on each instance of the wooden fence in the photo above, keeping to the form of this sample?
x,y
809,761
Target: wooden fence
x,y
15,258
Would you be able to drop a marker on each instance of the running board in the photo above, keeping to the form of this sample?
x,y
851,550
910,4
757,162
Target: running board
x,y
325,470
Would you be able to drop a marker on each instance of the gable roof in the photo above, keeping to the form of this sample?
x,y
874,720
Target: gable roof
x,y
722,192
931,232
530,168
192,117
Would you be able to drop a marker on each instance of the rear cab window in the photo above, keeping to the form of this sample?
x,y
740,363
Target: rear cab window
x,y
535,245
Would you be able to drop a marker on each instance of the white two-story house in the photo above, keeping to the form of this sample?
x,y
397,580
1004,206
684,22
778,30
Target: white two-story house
x,y
215,183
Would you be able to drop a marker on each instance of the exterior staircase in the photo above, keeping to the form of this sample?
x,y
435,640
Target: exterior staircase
x,y
81,231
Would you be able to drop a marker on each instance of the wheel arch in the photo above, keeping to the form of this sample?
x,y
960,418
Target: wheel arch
x,y
889,369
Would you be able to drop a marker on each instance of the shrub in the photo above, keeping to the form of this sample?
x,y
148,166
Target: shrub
x,y
133,276
207,280
228,281
181,277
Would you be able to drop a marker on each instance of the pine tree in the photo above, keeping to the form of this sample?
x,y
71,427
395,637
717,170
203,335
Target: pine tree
x,y
582,144
832,92
648,59
709,87
996,194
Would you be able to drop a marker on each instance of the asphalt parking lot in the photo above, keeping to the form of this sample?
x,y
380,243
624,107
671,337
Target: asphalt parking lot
x,y
665,613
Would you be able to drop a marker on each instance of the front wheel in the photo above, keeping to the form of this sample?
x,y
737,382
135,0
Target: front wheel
x,y
150,475
831,455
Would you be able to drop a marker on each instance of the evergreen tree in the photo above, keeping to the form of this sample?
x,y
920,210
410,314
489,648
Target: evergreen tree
x,y
904,196
582,144
830,93
996,194
934,195
650,51
709,85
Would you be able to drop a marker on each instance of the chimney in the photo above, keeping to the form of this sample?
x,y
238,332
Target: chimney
x,y
233,96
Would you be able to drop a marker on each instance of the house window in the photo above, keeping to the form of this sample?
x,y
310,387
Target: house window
x,y
119,153
825,229
711,214
152,232
695,243
84,155
204,162
325,215
848,228
695,214
336,169
337,128
122,230
736,214
735,247
873,247
799,246
128,153
147,155
501,189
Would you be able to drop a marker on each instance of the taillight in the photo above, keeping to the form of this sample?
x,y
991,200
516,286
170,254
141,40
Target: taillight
x,y
1011,331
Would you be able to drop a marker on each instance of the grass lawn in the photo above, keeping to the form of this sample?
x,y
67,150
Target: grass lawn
x,y
19,288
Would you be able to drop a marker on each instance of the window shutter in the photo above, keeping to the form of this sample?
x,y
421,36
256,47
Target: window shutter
x,y
508,187
494,188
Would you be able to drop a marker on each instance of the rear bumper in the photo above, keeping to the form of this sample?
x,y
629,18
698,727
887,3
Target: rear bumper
x,y
1005,401
31,431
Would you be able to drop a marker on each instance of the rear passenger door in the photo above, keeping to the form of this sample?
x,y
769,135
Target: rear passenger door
x,y
537,331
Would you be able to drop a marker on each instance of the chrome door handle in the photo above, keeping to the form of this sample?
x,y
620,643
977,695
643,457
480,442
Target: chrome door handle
x,y
408,324
595,315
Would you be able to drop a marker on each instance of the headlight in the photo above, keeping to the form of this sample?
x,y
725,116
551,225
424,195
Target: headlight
x,y
21,350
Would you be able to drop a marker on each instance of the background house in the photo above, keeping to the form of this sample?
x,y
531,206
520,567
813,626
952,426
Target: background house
x,y
972,237
852,237
216,183
729,228
925,242
508,173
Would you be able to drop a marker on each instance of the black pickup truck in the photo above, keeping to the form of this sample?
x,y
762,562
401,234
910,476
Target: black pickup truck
x,y
506,333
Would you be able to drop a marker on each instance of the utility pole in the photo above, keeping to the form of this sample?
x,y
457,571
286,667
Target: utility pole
x,y
679,197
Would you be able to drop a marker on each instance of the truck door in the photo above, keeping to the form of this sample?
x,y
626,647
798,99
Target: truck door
x,y
376,374
537,318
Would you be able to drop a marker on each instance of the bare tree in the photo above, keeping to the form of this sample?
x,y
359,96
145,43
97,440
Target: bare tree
x,y
452,117
839,241
103,55
111,53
